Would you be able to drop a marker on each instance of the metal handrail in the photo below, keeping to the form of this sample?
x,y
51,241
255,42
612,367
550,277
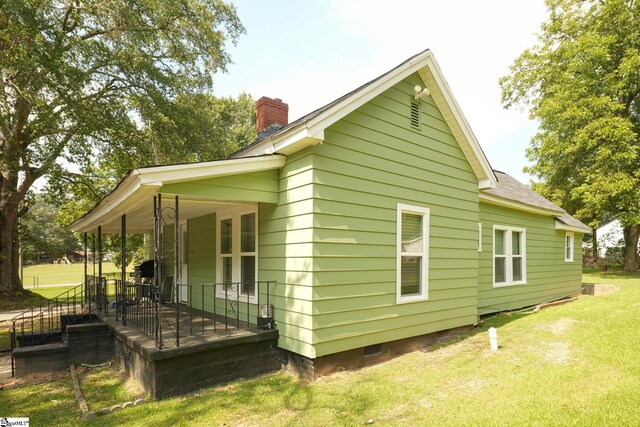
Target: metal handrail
x,y
41,325
220,305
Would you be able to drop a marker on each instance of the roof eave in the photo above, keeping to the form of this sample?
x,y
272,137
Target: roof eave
x,y
508,203
311,131
147,181
562,226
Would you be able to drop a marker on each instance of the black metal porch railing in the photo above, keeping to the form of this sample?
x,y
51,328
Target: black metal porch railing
x,y
203,309
46,323
97,292
138,304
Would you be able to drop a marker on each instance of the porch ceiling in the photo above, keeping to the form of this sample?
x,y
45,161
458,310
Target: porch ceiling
x,y
140,218
133,196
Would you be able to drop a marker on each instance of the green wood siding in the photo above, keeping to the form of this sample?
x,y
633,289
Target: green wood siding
x,y
368,163
248,187
201,257
548,275
285,238
202,273
168,237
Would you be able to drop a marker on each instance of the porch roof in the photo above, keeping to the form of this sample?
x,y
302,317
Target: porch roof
x,y
133,196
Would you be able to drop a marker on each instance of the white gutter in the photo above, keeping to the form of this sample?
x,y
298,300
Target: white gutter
x,y
144,182
499,201
562,226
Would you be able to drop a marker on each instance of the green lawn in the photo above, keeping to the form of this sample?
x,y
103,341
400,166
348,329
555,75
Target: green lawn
x,y
573,364
51,274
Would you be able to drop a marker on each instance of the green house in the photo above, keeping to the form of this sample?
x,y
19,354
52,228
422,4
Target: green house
x,y
376,221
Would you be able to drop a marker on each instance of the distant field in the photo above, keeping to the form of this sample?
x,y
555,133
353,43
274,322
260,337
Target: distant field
x,y
64,274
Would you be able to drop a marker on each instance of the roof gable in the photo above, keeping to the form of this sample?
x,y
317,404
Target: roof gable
x,y
309,129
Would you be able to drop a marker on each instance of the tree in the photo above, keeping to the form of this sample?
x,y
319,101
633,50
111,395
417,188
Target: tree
x,y
42,234
581,81
77,75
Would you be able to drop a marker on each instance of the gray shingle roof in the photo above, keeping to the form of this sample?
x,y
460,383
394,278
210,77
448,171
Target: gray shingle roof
x,y
324,108
510,188
571,221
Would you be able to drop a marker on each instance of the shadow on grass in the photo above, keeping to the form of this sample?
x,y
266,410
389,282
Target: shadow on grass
x,y
250,401
495,320
51,403
612,273
21,300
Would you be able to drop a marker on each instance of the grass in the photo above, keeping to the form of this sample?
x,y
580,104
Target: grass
x,y
69,275
573,364
21,300
51,274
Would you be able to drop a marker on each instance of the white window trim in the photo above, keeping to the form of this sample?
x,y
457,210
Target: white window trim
x,y
571,236
424,294
479,237
236,255
509,256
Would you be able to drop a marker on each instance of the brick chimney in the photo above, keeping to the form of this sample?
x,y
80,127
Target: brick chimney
x,y
271,112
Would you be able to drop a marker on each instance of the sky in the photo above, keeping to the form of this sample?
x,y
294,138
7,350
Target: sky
x,y
310,52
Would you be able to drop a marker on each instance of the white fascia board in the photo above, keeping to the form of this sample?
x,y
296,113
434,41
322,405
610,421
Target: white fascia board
x,y
312,132
489,180
486,184
194,171
562,226
508,203
122,198
145,182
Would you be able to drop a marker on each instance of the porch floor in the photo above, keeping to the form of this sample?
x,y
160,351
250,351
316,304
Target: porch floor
x,y
195,327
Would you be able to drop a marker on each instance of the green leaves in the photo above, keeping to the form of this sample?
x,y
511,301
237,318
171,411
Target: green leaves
x,y
581,81
88,81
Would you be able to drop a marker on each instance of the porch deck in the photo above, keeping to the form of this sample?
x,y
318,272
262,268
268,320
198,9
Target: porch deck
x,y
214,354
181,328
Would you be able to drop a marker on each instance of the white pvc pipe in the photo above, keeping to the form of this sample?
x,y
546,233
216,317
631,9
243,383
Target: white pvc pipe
x,y
493,338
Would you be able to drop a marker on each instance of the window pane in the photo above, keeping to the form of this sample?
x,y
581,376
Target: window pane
x,y
225,236
411,275
500,269
411,233
248,233
568,247
248,274
227,270
516,240
500,242
517,269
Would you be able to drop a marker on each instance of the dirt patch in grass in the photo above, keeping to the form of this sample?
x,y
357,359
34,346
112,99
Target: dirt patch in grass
x,y
107,385
558,353
559,326
34,379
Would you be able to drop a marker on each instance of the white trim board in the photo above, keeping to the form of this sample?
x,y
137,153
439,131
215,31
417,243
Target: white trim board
x,y
140,185
508,203
311,132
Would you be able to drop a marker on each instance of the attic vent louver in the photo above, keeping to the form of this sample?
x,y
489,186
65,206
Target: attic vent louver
x,y
415,115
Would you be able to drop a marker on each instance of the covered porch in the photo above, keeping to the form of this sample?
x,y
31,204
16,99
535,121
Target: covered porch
x,y
199,290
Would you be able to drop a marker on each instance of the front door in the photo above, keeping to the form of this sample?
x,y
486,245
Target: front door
x,y
184,276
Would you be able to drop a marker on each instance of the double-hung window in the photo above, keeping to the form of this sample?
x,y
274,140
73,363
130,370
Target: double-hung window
x,y
509,256
568,247
237,252
412,264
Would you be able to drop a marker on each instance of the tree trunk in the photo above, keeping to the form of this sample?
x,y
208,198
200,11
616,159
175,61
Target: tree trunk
x,y
9,251
594,239
631,235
